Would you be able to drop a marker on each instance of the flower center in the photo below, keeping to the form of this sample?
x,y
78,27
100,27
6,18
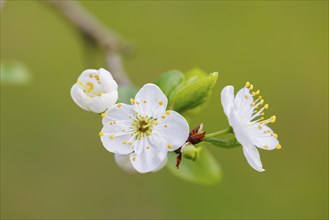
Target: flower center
x,y
143,126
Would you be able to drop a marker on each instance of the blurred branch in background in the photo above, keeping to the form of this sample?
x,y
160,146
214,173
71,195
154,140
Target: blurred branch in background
x,y
93,30
2,2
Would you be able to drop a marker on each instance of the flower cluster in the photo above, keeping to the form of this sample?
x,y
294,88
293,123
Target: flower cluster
x,y
141,133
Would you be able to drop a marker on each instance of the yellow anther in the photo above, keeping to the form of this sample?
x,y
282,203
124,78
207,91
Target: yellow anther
x,y
84,91
130,143
261,101
260,127
147,147
130,117
273,118
160,102
167,112
100,94
260,97
266,147
251,86
91,85
257,92
166,126
247,84
246,96
132,100
278,146
96,77
266,106
263,113
137,103
124,142
111,137
252,104
114,122
275,135
169,146
103,115
163,116
91,75
123,130
111,123
101,134
134,158
99,82
119,105
145,101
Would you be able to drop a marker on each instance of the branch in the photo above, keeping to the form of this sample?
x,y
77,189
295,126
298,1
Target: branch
x,y
110,41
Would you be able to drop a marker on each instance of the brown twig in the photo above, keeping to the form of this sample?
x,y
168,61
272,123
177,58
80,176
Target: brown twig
x,y
110,41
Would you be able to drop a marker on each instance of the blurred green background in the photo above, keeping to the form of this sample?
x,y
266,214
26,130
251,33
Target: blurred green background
x,y
53,164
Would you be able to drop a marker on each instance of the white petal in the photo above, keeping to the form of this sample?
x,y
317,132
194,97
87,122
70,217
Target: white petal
x,y
263,137
250,151
79,97
116,138
227,99
252,155
97,105
123,161
150,101
172,128
107,81
120,112
243,101
150,157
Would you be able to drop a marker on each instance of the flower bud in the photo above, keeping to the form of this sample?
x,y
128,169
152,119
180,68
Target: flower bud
x,y
189,151
95,90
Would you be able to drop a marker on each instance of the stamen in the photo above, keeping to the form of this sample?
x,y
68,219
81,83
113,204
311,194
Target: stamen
x,y
169,146
247,84
273,118
160,102
101,134
119,105
111,137
103,115
167,112
132,100
275,135
278,146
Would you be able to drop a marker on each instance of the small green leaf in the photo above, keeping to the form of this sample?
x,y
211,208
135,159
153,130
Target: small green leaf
x,y
194,93
125,93
194,75
14,72
169,82
205,170
231,143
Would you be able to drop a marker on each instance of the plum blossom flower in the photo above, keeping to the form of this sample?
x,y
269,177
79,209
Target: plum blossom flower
x,y
245,115
144,130
95,90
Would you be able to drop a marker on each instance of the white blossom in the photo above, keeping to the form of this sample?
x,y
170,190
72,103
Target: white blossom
x,y
95,90
144,130
246,116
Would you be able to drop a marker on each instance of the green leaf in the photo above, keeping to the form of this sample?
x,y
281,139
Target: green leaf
x,y
14,72
231,143
169,82
194,92
194,75
205,170
125,93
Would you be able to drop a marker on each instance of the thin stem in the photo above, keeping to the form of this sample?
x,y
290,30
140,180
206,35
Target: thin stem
x,y
219,133
92,28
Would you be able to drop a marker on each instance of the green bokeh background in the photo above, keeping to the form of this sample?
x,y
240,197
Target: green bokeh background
x,y
53,164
